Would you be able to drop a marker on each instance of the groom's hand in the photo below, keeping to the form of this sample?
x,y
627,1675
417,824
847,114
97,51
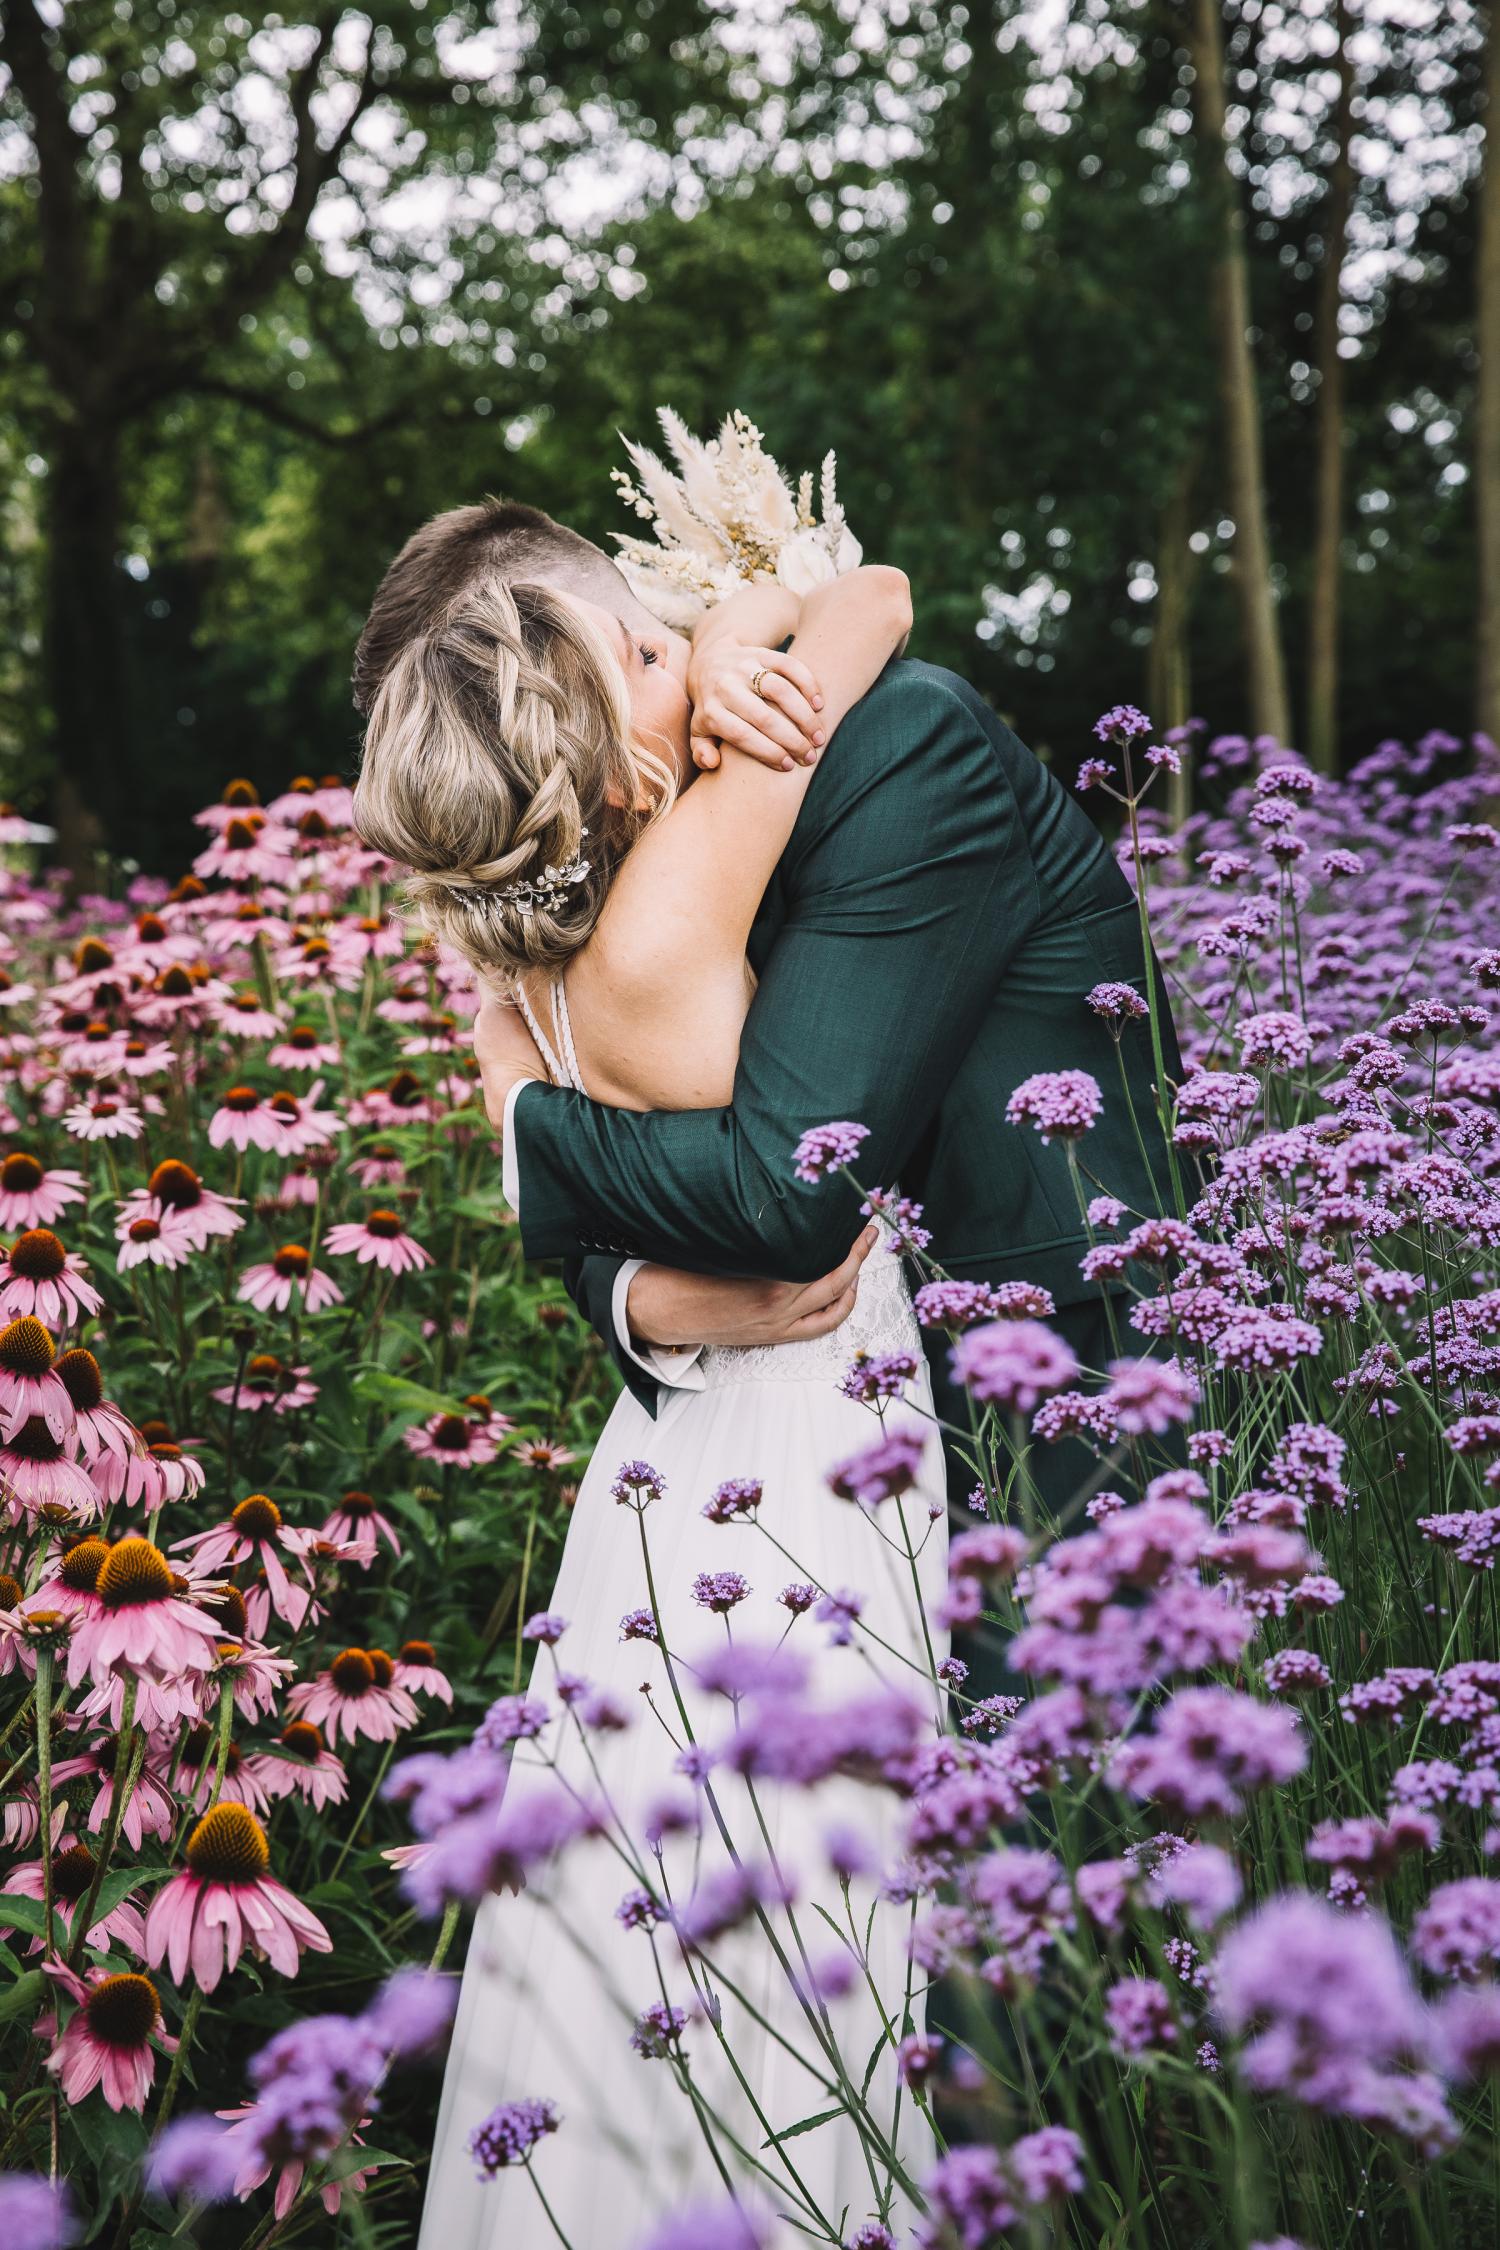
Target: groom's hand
x,y
668,1310
776,722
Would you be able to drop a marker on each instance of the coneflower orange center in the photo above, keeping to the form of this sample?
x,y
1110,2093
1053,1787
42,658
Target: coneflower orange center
x,y
122,2011
34,1442
150,928
257,1517
451,1433
228,1605
352,1672
264,1370
175,1184
285,1105
240,792
78,1371
381,1665
228,1846
313,827
479,1405
302,1035
90,955
174,983
292,1261
418,1652
10,1590
38,1255
133,1572
72,1871
316,949
386,1223
357,1504
145,1230
242,1098
303,1739
26,1348
20,1174
81,1565
239,835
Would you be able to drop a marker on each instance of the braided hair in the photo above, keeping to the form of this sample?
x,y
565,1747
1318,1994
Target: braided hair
x,y
499,767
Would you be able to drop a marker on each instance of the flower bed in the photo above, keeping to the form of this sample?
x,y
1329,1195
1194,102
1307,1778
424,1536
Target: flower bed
x,y
1210,1893
285,1436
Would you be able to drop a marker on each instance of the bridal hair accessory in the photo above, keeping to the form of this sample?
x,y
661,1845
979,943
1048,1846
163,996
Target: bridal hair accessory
x,y
726,517
549,890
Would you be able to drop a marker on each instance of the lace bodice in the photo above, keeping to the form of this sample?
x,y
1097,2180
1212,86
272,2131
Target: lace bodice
x,y
882,1319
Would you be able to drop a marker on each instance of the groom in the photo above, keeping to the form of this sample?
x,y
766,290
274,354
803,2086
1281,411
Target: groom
x,y
927,941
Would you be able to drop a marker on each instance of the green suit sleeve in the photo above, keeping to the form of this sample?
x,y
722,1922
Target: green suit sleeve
x,y
590,1282
906,885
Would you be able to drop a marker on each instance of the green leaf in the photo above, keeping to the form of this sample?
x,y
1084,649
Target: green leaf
x,y
27,1914
26,1993
804,2125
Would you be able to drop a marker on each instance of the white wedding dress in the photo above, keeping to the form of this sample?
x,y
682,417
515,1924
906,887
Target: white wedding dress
x,y
554,1981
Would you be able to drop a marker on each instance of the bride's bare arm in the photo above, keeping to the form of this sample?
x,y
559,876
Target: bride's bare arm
x,y
675,927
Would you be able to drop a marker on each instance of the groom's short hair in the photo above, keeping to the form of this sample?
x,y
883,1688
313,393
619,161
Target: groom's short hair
x,y
502,538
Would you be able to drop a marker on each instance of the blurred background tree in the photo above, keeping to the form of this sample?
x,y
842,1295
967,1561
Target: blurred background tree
x,y
1150,334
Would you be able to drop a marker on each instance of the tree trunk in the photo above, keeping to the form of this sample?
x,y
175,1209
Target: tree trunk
x,y
1487,410
1240,403
83,645
1328,519
1168,670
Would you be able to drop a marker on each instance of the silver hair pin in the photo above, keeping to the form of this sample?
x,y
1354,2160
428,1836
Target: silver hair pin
x,y
549,889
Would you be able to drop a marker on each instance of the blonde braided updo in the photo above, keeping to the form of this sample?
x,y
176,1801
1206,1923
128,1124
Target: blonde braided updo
x,y
499,767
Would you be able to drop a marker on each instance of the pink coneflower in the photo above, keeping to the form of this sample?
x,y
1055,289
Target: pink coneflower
x,y
243,1120
255,1532
244,1015
356,1523
256,2165
452,1442
180,995
39,1471
73,1867
300,1125
146,1242
299,1190
73,1586
200,1763
143,1632
29,1385
31,1195
247,850
440,1034
10,1638
543,1454
381,1240
225,1902
268,1384
102,1431
304,1048
160,1473
12,994
176,1197
301,1765
240,801
357,1695
271,1287
149,1809
258,1674
374,939
407,1003
42,1278
111,2038
403,1100
417,1671
382,1167
103,1117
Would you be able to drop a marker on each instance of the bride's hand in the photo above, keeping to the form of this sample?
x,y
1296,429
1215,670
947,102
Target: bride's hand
x,y
775,721
668,1311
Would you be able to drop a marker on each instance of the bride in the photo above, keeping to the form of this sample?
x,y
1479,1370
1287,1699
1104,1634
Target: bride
x,y
530,758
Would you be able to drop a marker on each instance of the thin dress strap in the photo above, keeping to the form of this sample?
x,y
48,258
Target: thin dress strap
x,y
562,1024
555,1070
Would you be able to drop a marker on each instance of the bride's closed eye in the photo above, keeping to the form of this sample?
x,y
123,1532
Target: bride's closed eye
x,y
649,655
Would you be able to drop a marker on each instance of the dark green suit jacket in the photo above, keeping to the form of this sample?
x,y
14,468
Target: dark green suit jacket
x,y
926,942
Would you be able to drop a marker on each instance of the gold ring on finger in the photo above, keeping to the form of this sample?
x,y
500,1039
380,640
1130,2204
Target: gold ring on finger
x,y
756,677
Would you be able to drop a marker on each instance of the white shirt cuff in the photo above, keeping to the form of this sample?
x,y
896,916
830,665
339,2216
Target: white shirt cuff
x,y
678,1370
510,1165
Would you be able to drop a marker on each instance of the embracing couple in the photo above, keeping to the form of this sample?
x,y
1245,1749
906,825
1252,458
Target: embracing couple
x,y
723,892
